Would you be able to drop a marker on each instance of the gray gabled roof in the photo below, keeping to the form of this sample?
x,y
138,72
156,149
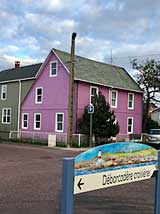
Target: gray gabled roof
x,y
26,72
99,73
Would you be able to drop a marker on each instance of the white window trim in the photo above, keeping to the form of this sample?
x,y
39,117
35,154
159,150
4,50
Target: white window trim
x,y
23,120
35,121
131,126
3,85
91,91
132,101
3,115
36,100
56,122
50,72
111,98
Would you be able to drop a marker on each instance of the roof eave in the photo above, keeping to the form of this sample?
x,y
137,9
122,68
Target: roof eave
x,y
110,86
17,80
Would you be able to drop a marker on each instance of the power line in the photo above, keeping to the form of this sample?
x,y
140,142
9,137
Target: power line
x,y
138,56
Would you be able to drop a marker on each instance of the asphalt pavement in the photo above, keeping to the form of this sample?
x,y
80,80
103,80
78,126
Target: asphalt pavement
x,y
30,183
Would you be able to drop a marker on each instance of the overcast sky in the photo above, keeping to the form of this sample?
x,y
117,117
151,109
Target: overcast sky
x,y
30,28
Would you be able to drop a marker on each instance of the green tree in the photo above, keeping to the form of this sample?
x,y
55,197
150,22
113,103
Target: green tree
x,y
104,121
148,77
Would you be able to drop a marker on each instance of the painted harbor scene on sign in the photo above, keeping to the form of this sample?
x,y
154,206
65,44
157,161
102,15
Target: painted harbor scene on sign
x,y
115,156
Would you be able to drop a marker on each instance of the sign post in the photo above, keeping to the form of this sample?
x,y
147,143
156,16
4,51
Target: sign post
x,y
90,111
157,188
67,186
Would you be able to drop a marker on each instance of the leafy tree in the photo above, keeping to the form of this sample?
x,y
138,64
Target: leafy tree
x,y
148,77
104,121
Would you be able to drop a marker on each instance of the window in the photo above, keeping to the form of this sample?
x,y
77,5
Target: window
x,y
39,95
25,121
53,68
130,101
114,98
37,121
130,125
59,122
93,92
4,92
6,115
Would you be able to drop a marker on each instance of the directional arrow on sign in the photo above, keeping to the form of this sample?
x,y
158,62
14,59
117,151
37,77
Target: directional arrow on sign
x,y
80,184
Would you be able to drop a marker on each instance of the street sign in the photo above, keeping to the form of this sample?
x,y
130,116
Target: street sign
x,y
102,180
113,164
90,109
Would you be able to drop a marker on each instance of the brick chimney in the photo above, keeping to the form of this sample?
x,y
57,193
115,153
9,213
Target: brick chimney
x,y
17,64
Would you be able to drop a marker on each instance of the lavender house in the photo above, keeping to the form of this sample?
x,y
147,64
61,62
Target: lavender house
x,y
45,108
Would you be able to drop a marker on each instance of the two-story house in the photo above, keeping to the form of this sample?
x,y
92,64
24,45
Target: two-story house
x,y
45,108
14,85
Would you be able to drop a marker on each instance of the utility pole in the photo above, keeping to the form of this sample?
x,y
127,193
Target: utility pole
x,y
71,87
111,57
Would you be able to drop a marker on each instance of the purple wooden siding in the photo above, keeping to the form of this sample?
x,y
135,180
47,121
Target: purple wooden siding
x,y
55,98
121,112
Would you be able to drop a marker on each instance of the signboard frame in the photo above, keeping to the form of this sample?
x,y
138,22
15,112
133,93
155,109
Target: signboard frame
x,y
68,177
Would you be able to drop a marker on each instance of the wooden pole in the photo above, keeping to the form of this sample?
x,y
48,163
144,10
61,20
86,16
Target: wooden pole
x,y
71,87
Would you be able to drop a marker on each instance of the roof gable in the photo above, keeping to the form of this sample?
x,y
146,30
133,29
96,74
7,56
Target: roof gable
x,y
98,72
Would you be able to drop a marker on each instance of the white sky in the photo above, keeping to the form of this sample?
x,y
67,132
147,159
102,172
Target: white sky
x,y
29,29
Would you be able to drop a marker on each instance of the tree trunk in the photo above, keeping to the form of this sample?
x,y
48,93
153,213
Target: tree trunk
x,y
146,115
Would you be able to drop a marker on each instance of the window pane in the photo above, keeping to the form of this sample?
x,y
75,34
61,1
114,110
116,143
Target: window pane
x,y
25,124
39,98
38,117
129,121
130,104
130,97
59,122
4,95
129,129
25,117
59,127
113,102
39,91
54,68
9,112
4,119
37,124
5,112
8,119
93,91
113,94
59,118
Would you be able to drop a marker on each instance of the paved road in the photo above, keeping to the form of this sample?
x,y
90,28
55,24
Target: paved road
x,y
30,183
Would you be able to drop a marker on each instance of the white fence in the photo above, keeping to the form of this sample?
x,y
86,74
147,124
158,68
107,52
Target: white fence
x,y
61,138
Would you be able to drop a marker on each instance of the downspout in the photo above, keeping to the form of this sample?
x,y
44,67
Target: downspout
x,y
19,110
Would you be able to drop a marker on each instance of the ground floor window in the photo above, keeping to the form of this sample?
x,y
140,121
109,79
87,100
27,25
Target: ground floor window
x,y
25,121
6,115
37,121
59,123
130,125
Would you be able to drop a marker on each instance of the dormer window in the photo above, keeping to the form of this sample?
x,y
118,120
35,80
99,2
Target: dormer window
x,y
3,92
53,68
